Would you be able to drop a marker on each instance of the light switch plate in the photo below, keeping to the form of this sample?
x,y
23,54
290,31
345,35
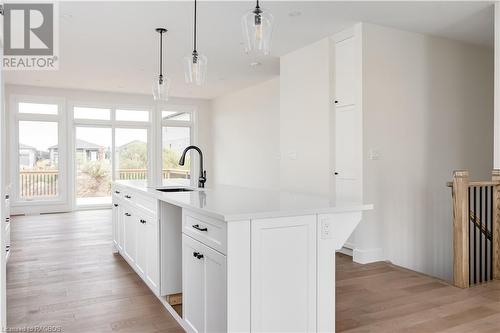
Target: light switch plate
x,y
374,154
326,229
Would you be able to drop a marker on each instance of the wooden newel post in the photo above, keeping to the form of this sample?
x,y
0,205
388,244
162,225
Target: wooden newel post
x,y
495,176
460,193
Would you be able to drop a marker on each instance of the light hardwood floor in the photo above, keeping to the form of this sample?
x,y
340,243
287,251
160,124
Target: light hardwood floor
x,y
381,297
62,273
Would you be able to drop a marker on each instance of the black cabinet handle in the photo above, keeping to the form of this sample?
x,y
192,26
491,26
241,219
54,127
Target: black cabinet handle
x,y
128,197
197,227
336,102
116,205
142,221
197,255
335,173
117,192
7,219
127,214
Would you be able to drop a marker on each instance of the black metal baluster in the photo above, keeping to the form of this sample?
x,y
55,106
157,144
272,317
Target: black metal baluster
x,y
491,231
480,234
486,219
475,275
469,236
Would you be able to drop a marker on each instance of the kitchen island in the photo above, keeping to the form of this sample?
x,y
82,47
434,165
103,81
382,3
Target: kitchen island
x,y
243,259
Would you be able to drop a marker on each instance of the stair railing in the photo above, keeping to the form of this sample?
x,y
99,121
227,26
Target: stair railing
x,y
476,229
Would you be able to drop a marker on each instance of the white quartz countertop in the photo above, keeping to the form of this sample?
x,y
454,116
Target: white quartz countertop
x,y
232,203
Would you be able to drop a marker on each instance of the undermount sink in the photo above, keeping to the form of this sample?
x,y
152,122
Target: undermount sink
x,y
175,189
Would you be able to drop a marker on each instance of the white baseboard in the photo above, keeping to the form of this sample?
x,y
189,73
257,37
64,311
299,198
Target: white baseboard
x,y
345,250
366,256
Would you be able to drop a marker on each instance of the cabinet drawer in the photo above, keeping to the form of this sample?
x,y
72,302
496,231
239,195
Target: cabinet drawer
x,y
208,231
140,200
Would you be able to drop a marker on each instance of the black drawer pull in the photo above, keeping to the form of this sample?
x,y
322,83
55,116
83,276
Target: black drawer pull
x,y
142,221
197,227
128,197
197,255
128,214
116,205
117,192
7,219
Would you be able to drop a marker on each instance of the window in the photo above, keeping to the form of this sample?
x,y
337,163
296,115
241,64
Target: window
x,y
35,108
132,115
38,160
110,144
175,140
37,152
131,153
93,165
91,113
177,131
176,115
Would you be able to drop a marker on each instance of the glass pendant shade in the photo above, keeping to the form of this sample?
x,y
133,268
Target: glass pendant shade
x,y
161,88
257,27
195,69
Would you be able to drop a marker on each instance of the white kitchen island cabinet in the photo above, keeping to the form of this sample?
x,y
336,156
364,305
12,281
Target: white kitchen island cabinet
x,y
250,260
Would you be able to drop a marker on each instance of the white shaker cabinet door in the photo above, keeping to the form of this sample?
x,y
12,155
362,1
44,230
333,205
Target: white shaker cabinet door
x,y
141,254
115,218
204,287
193,308
215,291
130,236
152,254
283,276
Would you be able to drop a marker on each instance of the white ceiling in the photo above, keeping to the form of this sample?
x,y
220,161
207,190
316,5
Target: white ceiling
x,y
112,46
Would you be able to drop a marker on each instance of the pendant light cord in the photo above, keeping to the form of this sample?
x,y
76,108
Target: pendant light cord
x,y
161,54
257,4
194,38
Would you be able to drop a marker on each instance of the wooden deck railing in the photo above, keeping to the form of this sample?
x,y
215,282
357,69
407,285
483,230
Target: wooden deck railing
x,y
476,229
38,183
44,183
130,174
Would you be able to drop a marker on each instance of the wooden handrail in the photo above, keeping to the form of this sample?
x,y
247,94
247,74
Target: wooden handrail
x,y
478,183
479,225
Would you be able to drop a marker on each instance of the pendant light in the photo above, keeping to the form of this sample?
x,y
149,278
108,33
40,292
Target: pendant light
x,y
257,27
161,84
195,63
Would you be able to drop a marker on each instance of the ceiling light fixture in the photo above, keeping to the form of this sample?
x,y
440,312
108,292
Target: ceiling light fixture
x,y
196,63
161,84
257,27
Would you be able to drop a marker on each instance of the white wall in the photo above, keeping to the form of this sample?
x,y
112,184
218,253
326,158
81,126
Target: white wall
x,y
497,87
428,110
305,119
245,129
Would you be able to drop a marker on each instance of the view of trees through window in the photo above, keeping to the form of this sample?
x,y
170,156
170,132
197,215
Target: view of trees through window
x,y
93,165
175,140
